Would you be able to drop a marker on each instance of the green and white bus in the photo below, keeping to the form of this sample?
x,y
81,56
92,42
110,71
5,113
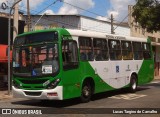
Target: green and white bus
x,y
59,64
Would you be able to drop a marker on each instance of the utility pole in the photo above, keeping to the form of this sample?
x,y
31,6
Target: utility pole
x,y
15,19
9,45
112,28
29,17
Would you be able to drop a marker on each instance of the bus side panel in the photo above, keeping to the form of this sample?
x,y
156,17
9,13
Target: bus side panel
x,y
71,84
99,73
73,81
99,84
146,72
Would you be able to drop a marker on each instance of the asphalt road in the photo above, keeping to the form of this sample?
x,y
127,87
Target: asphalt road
x,y
114,103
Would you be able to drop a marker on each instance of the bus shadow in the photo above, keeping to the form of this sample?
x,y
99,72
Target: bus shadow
x,y
74,101
152,84
115,92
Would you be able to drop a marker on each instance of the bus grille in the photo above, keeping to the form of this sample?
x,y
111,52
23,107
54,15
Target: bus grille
x,y
38,81
33,93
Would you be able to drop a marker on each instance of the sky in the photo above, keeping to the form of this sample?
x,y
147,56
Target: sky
x,y
99,9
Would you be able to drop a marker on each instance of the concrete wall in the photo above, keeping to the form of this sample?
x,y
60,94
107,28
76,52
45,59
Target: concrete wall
x,y
102,26
51,21
75,22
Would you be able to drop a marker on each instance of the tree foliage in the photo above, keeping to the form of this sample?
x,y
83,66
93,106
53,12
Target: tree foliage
x,y
147,14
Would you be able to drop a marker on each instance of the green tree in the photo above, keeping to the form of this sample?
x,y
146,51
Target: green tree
x,y
147,14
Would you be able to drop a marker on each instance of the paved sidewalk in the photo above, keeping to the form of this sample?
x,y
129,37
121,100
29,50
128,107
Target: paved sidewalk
x,y
157,77
4,94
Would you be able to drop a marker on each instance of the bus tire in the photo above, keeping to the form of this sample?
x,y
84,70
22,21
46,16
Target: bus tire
x,y
133,84
86,92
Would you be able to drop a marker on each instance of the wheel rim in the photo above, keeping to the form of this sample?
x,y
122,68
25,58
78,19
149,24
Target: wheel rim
x,y
86,91
134,85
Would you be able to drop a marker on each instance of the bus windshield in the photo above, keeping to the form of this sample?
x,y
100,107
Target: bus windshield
x,y
36,60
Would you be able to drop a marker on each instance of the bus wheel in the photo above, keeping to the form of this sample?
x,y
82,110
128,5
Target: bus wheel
x,y
133,84
86,92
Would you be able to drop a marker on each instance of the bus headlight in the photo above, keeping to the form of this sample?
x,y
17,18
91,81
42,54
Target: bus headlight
x,y
53,84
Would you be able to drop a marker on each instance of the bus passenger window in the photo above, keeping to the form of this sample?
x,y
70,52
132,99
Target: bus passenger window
x,y
83,56
146,51
85,47
137,50
100,49
90,55
127,50
115,50
98,55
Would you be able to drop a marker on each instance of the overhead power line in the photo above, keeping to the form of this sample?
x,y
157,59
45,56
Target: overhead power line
x,y
121,22
48,6
83,9
68,24
124,18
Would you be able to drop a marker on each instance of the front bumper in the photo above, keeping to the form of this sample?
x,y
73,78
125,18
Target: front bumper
x,y
39,94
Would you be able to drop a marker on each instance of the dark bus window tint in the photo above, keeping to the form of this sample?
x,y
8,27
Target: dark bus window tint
x,y
127,50
137,50
115,50
36,38
86,51
69,54
146,50
100,49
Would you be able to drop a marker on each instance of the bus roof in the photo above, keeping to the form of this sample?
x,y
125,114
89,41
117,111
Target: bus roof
x,y
93,34
40,31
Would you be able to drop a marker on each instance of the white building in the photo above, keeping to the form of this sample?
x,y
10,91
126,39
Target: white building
x,y
77,22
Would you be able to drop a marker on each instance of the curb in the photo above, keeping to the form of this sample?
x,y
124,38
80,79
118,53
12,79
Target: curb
x,y
5,97
157,77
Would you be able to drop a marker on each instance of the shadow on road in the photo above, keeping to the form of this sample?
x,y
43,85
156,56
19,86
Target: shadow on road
x,y
157,85
115,92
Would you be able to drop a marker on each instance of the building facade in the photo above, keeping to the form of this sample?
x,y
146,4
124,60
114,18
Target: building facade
x,y
76,22
4,27
4,44
137,31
